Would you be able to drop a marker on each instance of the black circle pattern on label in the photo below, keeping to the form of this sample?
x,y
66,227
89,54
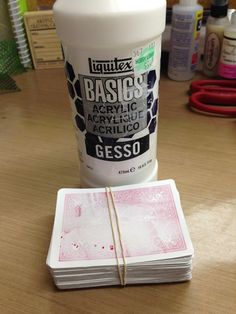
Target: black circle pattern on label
x,y
74,90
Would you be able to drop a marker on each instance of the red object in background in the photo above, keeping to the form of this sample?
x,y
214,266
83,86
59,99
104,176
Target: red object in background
x,y
214,96
194,58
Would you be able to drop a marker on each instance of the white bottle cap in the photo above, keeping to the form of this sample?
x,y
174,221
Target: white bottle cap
x,y
233,18
188,3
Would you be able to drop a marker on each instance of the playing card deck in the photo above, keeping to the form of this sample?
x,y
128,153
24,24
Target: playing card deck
x,y
132,234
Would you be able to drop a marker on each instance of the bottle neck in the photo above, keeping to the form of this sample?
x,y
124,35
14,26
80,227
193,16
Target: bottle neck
x,y
188,3
219,11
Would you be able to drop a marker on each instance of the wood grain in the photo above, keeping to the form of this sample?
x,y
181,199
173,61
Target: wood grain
x,y
38,156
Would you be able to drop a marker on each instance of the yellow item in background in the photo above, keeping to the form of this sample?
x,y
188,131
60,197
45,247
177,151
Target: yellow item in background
x,y
44,44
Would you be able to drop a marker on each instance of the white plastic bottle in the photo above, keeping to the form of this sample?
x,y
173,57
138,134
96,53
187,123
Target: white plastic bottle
x,y
216,24
227,66
112,59
185,37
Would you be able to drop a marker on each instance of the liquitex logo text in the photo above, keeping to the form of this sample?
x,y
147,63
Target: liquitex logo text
x,y
114,66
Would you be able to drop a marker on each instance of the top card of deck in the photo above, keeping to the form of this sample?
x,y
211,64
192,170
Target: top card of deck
x,y
151,219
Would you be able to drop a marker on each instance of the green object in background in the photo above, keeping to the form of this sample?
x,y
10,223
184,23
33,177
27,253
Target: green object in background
x,y
19,32
5,24
9,64
23,6
9,60
7,85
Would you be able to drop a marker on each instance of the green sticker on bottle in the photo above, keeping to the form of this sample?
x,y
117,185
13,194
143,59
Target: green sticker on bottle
x,y
145,59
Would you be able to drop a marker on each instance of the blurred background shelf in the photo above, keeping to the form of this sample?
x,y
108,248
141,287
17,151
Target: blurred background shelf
x,y
205,3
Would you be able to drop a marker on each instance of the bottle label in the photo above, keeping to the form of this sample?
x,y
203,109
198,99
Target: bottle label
x,y
212,51
198,24
185,37
114,98
227,67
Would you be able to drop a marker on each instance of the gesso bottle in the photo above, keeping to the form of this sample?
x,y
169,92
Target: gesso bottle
x,y
112,59
185,38
216,24
227,66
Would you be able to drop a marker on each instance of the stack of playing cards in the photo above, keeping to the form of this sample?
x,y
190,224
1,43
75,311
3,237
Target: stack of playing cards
x,y
132,234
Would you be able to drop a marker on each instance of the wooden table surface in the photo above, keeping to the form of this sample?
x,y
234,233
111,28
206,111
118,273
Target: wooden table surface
x,y
38,156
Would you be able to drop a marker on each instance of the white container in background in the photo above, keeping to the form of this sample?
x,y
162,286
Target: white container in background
x,y
185,38
227,66
216,24
112,59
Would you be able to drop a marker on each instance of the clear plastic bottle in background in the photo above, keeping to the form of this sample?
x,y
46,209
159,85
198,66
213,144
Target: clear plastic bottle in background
x,y
185,37
216,24
112,59
227,66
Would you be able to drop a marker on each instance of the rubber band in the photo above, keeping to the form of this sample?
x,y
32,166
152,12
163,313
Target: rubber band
x,y
113,235
120,237
117,223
